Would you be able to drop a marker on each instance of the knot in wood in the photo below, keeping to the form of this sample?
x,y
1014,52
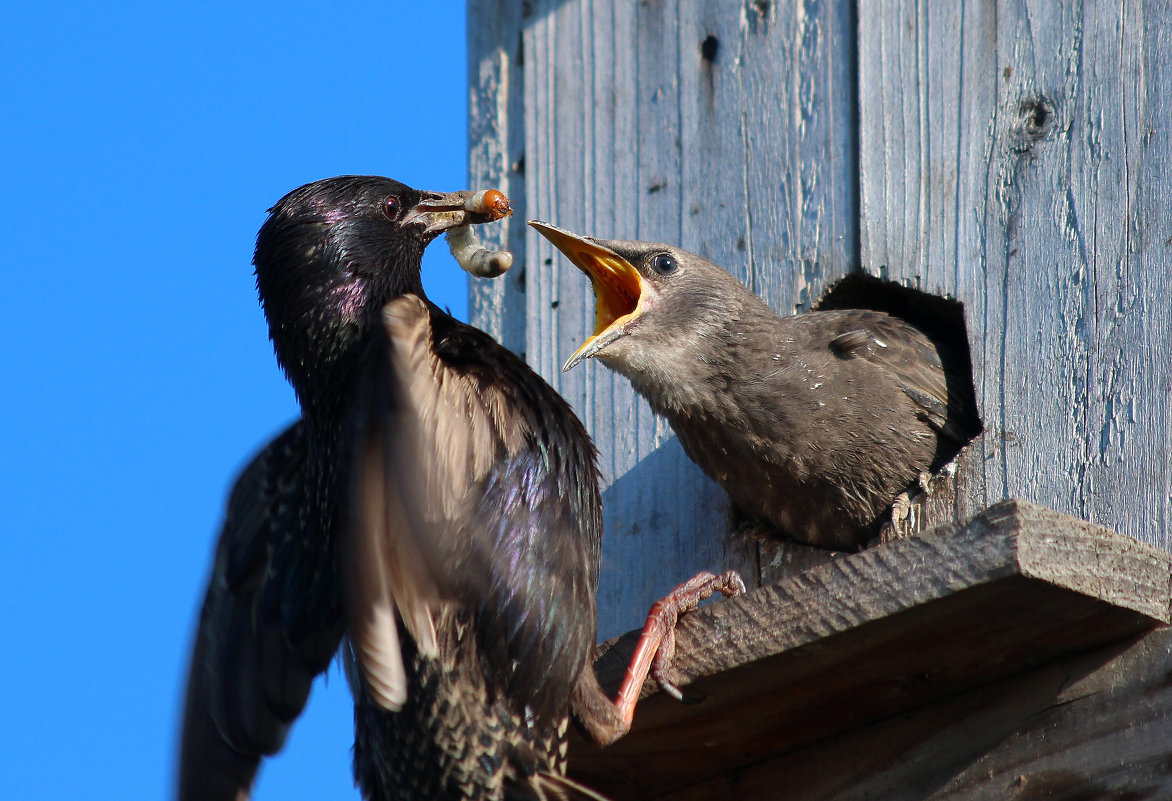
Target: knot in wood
x,y
1035,122
709,48
759,16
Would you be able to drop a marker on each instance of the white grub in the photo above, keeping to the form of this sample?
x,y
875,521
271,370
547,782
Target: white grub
x,y
490,202
477,202
474,257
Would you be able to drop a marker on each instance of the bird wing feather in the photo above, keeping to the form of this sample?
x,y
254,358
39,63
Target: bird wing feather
x,y
429,438
479,517
898,347
246,682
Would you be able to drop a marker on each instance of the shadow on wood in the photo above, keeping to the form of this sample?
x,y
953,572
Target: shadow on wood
x,y
914,628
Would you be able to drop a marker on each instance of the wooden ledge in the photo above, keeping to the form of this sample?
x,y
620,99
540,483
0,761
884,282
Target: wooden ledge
x,y
873,634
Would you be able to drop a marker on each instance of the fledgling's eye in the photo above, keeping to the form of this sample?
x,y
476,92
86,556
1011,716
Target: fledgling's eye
x,y
391,208
664,263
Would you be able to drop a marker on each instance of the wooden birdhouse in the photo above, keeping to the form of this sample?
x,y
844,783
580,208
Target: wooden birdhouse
x,y
1013,157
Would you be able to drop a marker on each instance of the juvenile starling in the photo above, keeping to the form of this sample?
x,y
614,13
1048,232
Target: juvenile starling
x,y
437,503
814,423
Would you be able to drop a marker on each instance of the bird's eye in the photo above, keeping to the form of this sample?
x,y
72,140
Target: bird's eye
x,y
664,263
391,208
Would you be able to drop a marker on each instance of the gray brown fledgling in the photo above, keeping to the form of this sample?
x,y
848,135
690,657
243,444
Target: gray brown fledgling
x,y
813,423
437,504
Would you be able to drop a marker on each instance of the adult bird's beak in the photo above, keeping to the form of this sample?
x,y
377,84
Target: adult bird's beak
x,y
438,212
618,287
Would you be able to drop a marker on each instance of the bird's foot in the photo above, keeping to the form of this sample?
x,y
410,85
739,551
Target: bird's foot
x,y
924,482
657,644
894,528
901,507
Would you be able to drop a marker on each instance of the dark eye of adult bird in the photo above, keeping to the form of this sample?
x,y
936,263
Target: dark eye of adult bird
x,y
814,423
391,208
664,263
437,504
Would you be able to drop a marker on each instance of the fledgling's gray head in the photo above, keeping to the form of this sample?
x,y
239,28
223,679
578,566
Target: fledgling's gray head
x,y
660,312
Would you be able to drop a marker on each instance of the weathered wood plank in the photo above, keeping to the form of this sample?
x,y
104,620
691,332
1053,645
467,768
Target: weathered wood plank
x,y
1089,726
1105,734
797,112
496,158
1012,154
876,634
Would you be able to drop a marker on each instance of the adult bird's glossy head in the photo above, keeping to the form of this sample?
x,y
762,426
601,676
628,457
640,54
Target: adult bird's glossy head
x,y
332,253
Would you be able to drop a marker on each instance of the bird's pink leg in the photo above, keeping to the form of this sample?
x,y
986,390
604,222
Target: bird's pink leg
x,y
657,644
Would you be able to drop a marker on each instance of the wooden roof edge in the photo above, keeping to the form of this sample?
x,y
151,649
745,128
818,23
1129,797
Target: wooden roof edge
x,y
1012,540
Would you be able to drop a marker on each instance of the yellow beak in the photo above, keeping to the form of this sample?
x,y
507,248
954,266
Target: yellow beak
x,y
618,287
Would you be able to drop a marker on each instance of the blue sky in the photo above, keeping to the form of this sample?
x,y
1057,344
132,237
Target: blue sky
x,y
140,146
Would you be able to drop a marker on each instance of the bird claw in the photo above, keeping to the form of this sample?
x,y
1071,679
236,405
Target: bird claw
x,y
900,524
668,685
667,610
924,481
657,644
900,508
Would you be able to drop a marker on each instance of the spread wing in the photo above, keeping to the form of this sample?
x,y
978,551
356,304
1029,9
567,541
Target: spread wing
x,y
247,682
924,371
477,501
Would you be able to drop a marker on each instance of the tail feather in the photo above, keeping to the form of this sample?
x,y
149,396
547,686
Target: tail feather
x,y
551,787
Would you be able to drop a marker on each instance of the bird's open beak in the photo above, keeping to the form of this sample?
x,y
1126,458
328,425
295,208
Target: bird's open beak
x,y
618,287
438,212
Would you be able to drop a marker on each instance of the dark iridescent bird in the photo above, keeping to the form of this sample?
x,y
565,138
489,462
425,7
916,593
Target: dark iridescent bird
x,y
437,504
814,423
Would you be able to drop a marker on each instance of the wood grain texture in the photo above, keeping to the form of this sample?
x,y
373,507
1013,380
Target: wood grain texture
x,y
1094,725
741,150
496,158
1015,154
907,625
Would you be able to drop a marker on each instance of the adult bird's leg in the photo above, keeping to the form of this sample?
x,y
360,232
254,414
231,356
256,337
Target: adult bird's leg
x,y
657,644
607,720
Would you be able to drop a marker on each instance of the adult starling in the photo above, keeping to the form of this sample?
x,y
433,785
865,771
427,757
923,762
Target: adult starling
x,y
814,423
437,503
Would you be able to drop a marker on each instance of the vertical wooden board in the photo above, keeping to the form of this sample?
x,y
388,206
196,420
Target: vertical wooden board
x,y
1129,425
927,109
797,119
924,89
713,202
1078,242
630,132
595,153
1004,160
496,158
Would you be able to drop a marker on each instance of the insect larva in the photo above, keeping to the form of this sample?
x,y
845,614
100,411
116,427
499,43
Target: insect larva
x,y
467,249
474,257
489,201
